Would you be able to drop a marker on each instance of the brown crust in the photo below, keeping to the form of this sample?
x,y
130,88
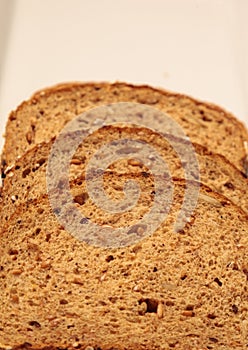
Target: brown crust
x,y
26,346
200,149
69,86
64,87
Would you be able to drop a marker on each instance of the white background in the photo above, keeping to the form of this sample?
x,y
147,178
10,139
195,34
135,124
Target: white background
x,y
199,47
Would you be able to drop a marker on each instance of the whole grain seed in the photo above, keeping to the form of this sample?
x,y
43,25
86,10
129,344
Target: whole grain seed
x,y
160,310
188,313
14,298
77,280
76,161
210,200
134,162
17,272
29,137
45,264
142,308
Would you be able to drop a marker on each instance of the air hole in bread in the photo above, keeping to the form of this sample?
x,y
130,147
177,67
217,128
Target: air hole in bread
x,y
218,281
48,236
40,211
34,324
229,185
13,251
37,231
214,340
246,273
109,258
189,307
205,118
184,277
70,326
41,161
26,344
57,211
26,172
151,304
169,303
81,198
113,300
235,309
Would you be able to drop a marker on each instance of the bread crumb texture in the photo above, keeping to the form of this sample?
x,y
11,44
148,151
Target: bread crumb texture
x,y
184,290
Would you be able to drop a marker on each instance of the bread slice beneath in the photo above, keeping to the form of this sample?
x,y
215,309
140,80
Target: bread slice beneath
x,y
27,180
183,290
46,112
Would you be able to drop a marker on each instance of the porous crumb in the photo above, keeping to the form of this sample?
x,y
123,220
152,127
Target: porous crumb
x,y
76,294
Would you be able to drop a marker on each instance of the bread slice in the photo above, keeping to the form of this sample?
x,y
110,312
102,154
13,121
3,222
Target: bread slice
x,y
183,290
47,111
27,179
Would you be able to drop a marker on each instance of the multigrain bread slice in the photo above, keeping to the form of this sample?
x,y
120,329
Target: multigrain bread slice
x,y
47,111
183,290
27,179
